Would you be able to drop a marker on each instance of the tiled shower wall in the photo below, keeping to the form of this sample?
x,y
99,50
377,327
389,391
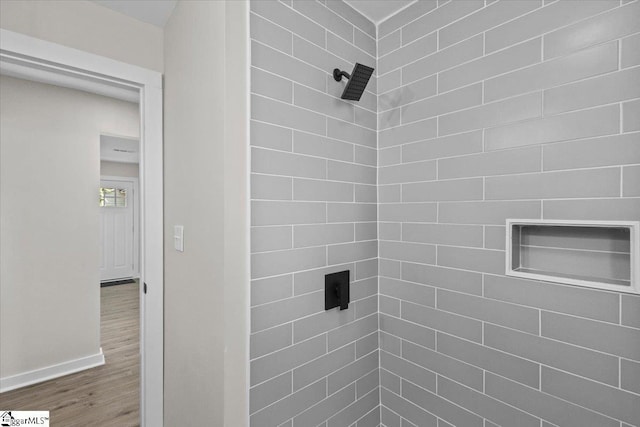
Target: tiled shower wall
x,y
314,211
509,109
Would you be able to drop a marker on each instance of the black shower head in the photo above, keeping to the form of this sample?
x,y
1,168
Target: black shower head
x,y
357,81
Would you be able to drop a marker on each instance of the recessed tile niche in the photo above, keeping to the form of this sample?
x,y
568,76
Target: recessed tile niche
x,y
597,254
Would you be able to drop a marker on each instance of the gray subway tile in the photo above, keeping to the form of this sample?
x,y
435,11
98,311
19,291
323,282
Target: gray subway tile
x,y
365,269
372,419
322,103
316,145
445,409
630,51
322,234
313,280
630,311
322,366
407,409
270,136
630,375
598,60
355,411
270,34
325,17
390,306
631,181
581,361
408,172
270,340
593,152
319,60
518,56
364,42
494,237
351,133
269,392
443,59
390,268
448,190
453,324
389,380
367,344
489,213
502,162
631,116
394,328
543,405
389,43
484,405
366,231
348,252
481,260
287,261
286,66
573,300
598,209
405,251
510,110
515,368
318,190
341,171
492,311
271,289
448,146
458,99
612,87
352,331
291,20
353,371
390,81
268,187
406,94
444,234
408,53
366,156
389,156
353,16
619,404
286,408
351,212
403,134
402,368
541,21
389,193
270,85
582,124
310,326
419,294
279,113
612,339
365,193
277,313
438,18
286,359
555,185
611,25
442,277
315,415
265,239
406,15
281,163
484,19
402,212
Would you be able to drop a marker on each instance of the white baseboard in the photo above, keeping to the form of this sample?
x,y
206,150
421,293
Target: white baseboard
x,y
50,372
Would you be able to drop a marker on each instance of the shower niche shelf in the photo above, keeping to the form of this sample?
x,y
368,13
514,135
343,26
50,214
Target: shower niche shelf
x,y
595,254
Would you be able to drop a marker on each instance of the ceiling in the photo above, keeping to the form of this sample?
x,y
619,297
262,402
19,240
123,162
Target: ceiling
x,y
155,12
377,10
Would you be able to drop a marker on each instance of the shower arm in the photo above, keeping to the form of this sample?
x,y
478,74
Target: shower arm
x,y
337,74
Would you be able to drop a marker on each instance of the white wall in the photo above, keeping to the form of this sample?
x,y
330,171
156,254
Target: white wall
x,y
49,251
86,26
108,168
206,295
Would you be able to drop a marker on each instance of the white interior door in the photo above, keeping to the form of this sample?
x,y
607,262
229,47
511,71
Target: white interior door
x,y
117,230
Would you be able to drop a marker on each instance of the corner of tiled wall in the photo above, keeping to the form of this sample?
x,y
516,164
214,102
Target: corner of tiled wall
x,y
314,211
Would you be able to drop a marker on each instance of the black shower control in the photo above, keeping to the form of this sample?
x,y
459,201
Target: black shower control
x,y
336,290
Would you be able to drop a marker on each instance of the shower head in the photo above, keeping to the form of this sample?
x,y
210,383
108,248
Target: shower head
x,y
357,81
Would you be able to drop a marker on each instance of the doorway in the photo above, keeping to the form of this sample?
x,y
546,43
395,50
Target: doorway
x,y
47,62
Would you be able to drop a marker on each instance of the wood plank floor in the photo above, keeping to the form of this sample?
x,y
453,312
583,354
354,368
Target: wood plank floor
x,y
104,396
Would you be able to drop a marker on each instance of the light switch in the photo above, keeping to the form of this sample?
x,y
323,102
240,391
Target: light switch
x,y
178,237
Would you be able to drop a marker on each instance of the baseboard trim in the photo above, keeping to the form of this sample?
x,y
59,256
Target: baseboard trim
x,y
50,372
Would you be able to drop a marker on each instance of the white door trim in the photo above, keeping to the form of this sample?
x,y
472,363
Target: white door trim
x,y
136,217
36,53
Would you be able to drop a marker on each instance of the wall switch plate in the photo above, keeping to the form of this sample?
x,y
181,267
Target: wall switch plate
x,y
336,290
178,238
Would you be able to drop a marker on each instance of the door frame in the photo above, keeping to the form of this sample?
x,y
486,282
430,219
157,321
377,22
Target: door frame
x,y
36,53
136,217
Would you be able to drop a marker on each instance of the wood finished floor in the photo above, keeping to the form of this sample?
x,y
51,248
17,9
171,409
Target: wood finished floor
x,y
104,396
